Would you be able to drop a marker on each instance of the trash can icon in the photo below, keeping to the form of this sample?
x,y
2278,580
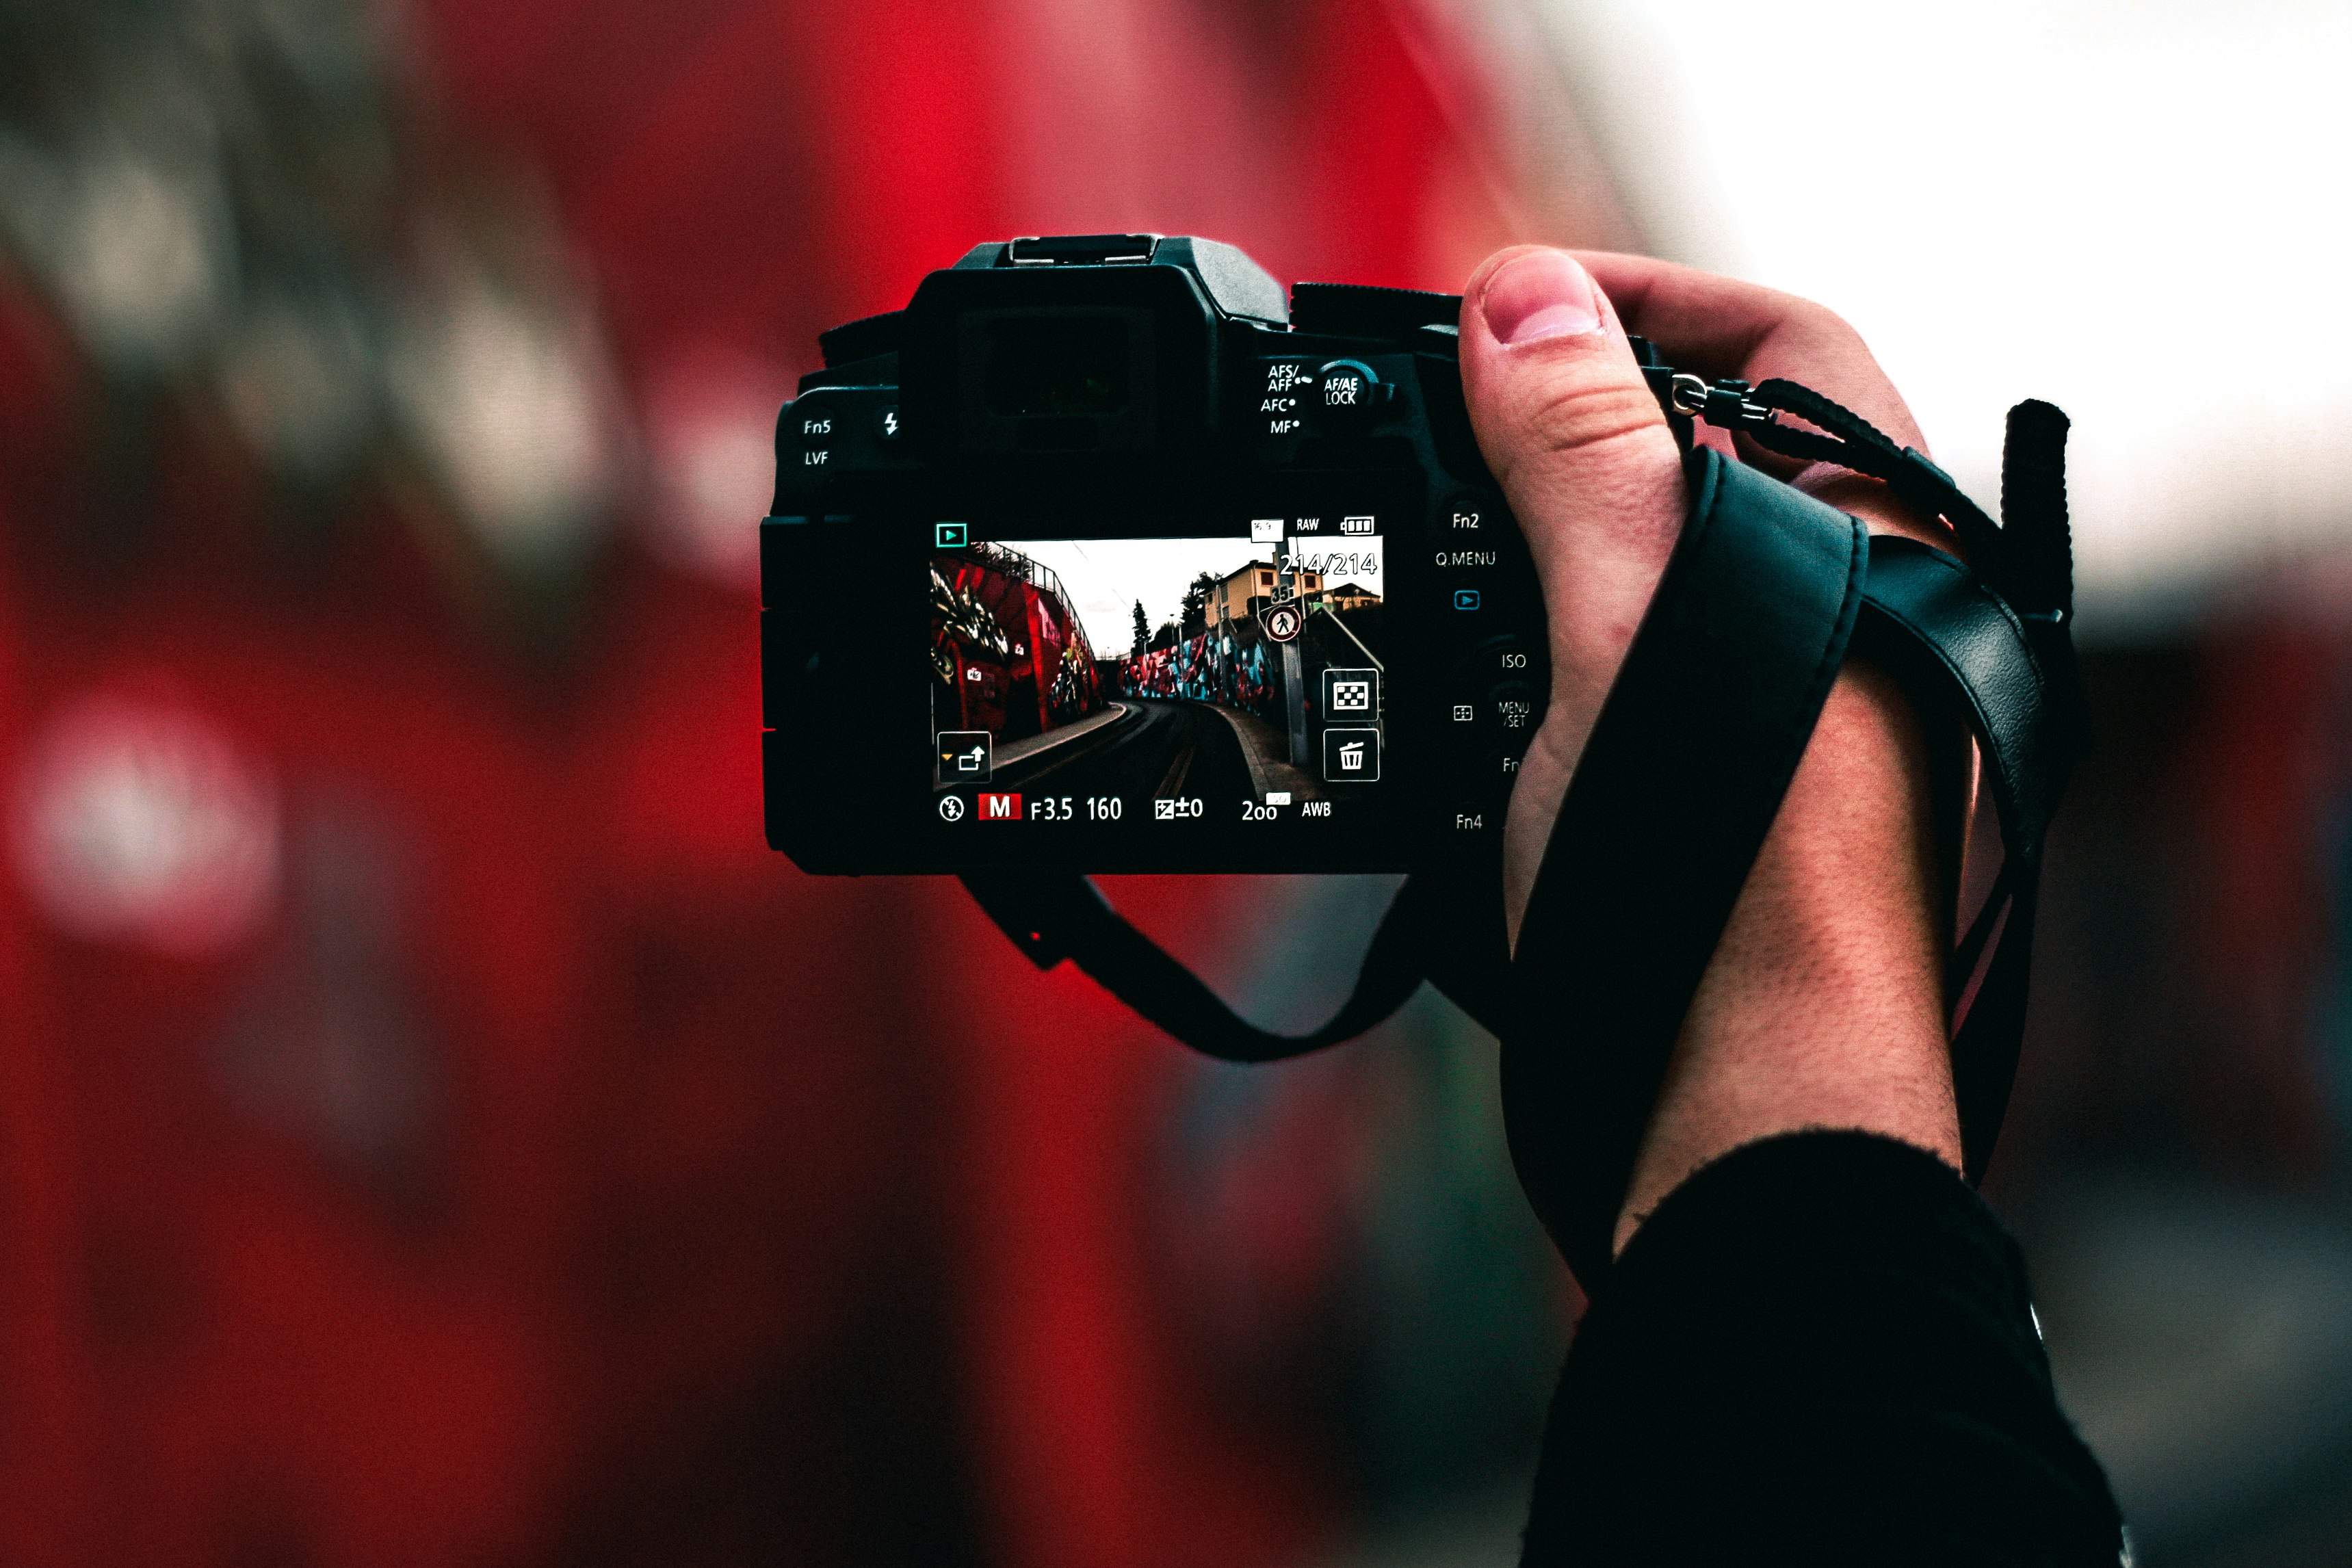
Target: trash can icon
x,y
1351,756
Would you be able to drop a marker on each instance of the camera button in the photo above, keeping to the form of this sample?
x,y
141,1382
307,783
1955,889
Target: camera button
x,y
818,424
1352,755
885,423
1512,654
1482,722
1517,709
1348,393
1351,696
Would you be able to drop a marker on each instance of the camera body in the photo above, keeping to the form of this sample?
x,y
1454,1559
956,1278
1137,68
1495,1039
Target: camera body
x,y
1102,556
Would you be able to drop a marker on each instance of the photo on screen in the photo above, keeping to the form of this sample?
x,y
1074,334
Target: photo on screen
x,y
1203,671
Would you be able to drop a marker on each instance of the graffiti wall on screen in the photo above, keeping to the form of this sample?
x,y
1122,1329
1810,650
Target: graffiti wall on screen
x,y
1229,664
1008,655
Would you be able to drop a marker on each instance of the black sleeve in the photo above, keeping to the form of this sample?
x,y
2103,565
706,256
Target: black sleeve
x,y
1819,1350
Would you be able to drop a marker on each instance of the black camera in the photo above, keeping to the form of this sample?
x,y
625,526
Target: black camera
x,y
1100,555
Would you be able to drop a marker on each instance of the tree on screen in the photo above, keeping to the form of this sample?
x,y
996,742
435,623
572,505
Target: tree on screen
x,y
1142,630
1195,604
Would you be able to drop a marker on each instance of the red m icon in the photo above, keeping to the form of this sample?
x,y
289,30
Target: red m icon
x,y
1000,808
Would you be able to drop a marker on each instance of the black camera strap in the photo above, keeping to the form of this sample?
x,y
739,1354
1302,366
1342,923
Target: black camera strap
x,y
1052,917
1767,594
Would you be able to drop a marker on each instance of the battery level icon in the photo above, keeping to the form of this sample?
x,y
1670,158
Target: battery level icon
x,y
1355,525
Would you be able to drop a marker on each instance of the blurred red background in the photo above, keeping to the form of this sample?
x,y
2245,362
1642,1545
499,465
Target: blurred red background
x,y
436,1129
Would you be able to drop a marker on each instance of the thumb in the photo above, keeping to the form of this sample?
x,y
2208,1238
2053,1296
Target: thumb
x,y
1583,454
1575,438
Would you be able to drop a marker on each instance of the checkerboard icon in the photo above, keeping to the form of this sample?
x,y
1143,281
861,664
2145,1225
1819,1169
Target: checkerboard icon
x,y
1351,693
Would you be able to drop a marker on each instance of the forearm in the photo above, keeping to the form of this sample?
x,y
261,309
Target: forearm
x,y
1815,1344
1823,1005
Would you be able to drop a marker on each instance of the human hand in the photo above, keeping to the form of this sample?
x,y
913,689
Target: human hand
x,y
1824,1004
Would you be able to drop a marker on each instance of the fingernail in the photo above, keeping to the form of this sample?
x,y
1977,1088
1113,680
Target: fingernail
x,y
1543,294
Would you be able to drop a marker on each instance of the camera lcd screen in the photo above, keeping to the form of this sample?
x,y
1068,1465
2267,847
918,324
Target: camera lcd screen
x,y
1133,685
